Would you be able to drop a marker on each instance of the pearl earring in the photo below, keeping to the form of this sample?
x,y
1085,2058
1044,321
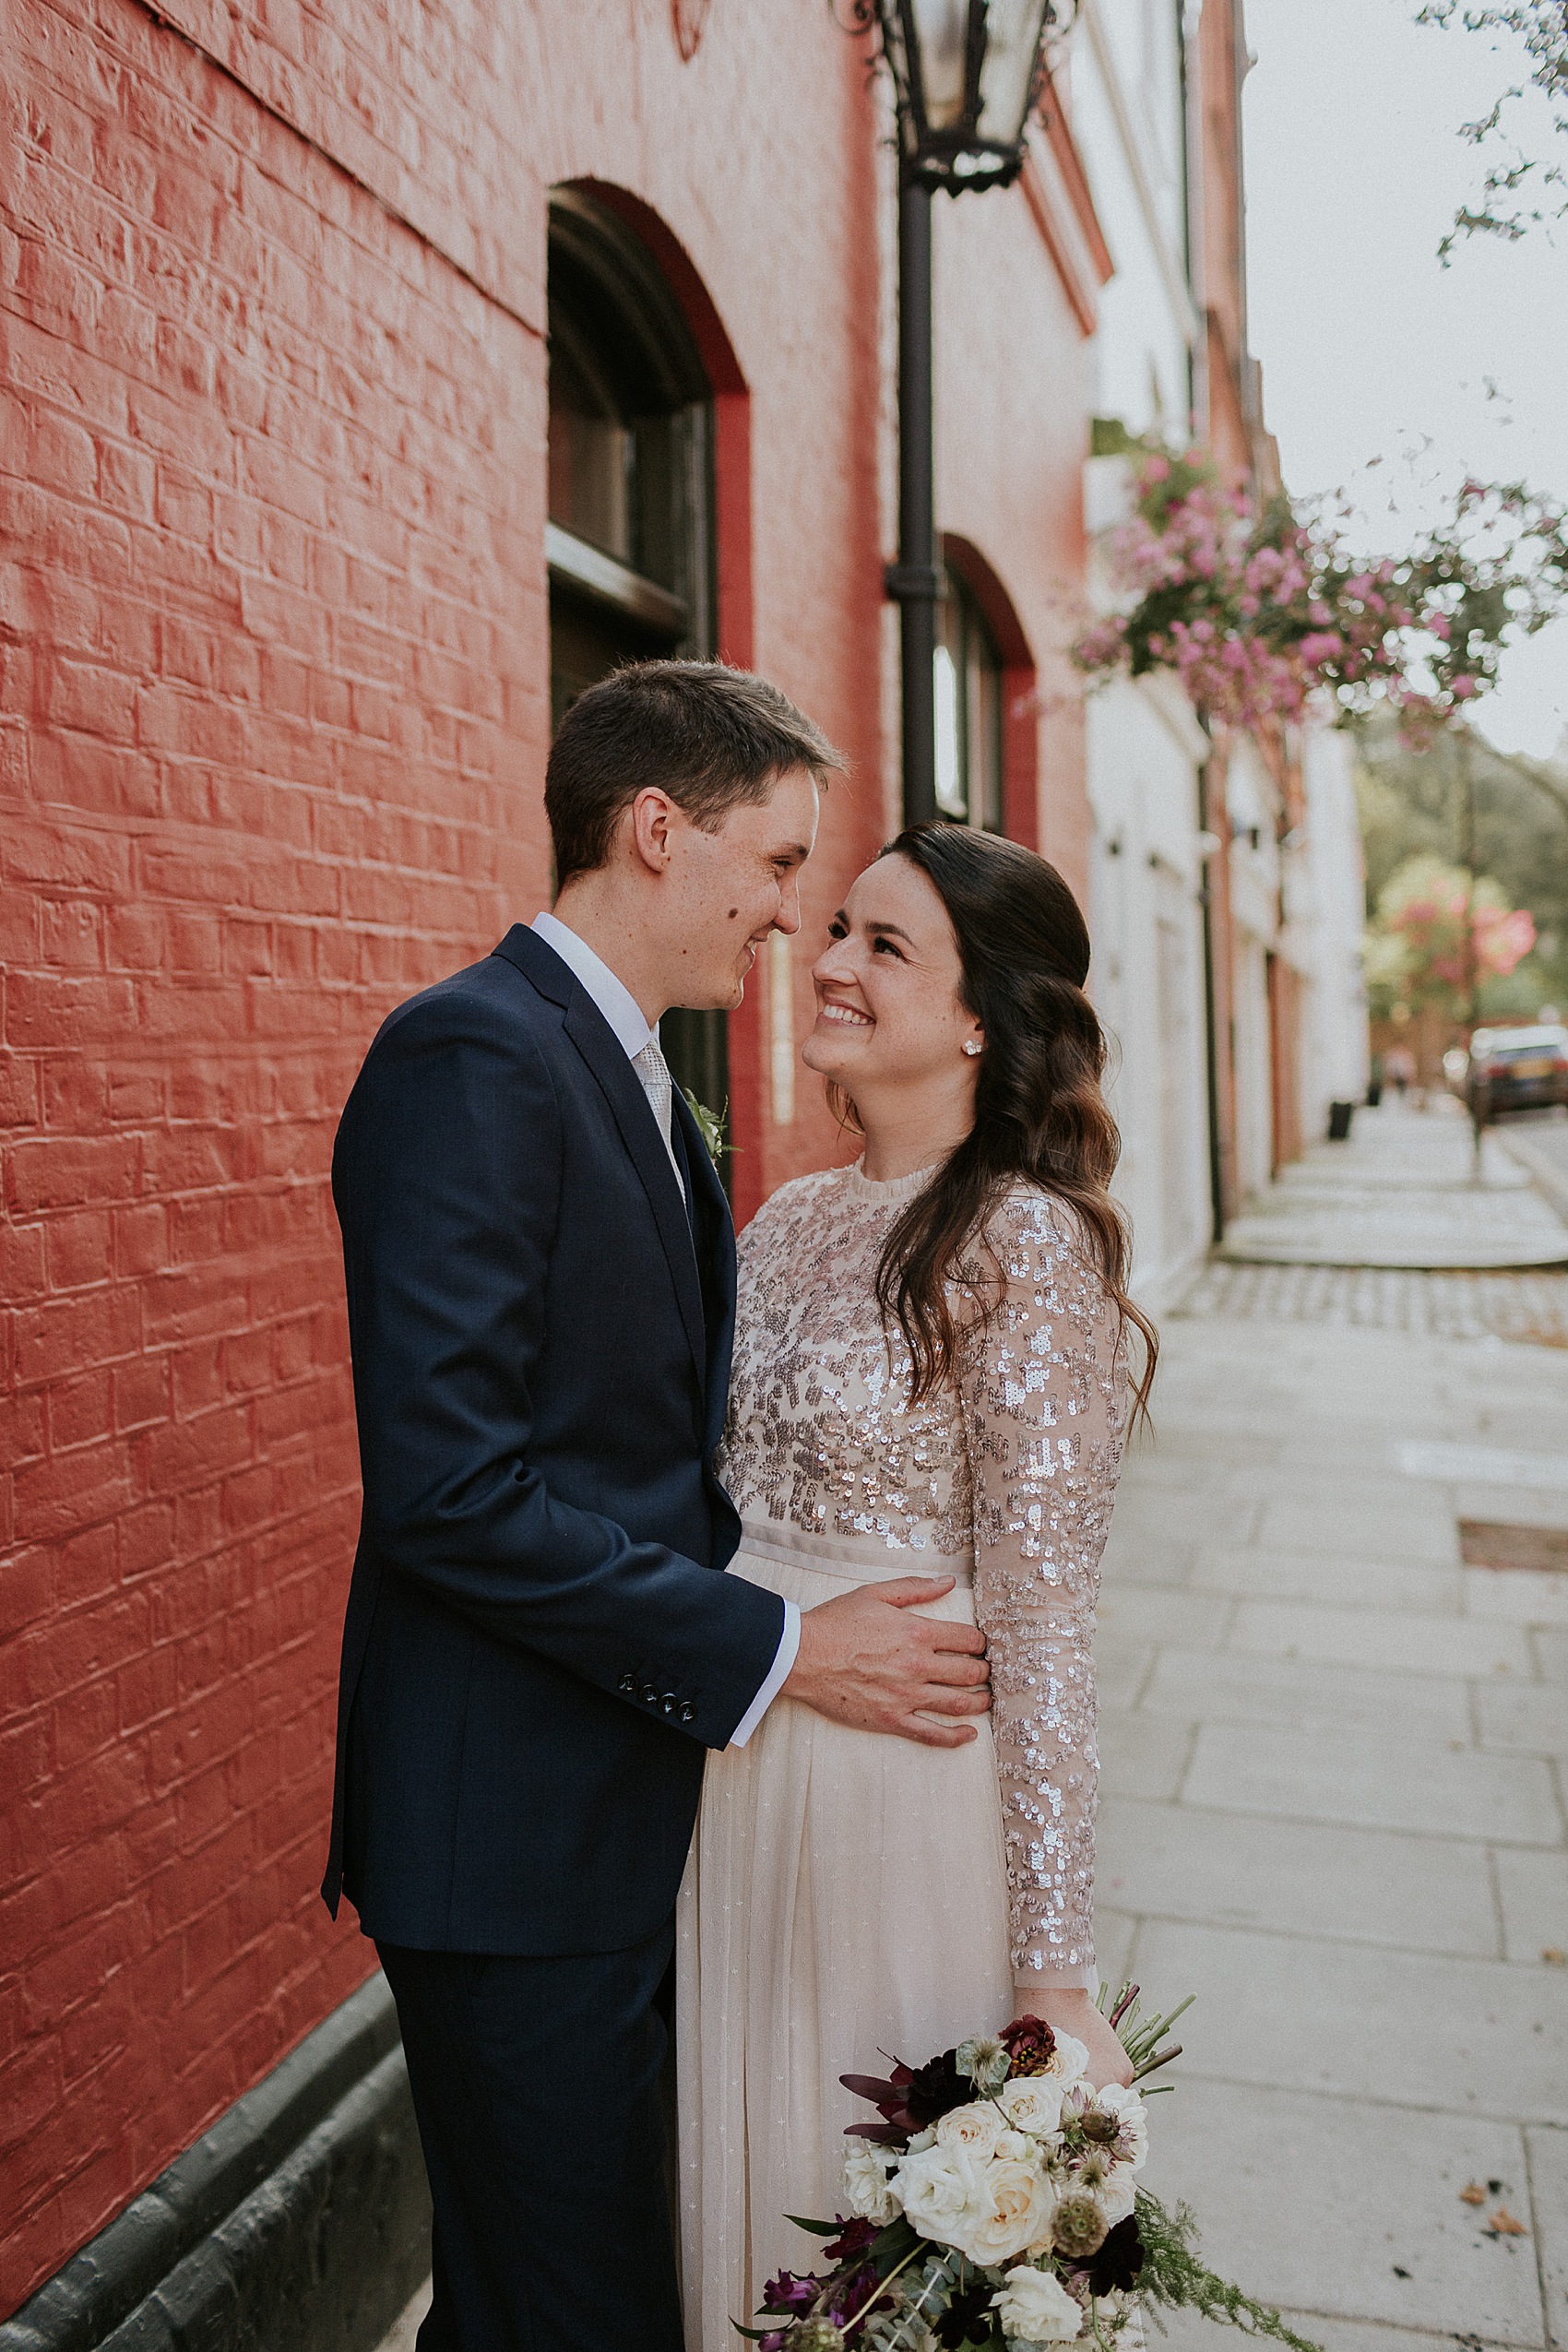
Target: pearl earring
x,y
970,1046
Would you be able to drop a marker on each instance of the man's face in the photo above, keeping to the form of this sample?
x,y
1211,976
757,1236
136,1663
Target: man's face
x,y
727,889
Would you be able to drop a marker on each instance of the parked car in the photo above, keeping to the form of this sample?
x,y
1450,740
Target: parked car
x,y
1512,1070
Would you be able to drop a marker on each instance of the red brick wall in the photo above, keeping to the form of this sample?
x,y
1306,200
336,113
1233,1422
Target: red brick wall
x,y
264,708
273,718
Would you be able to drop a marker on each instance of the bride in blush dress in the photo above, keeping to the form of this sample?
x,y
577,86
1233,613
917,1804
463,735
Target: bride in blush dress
x,y
931,1375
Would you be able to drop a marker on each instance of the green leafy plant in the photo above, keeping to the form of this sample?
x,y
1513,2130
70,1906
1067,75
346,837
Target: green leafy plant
x,y
712,1125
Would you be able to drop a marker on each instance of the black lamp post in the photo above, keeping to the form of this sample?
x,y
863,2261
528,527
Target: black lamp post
x,y
966,73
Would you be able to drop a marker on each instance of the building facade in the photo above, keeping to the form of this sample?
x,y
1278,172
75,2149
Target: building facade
x,y
1225,866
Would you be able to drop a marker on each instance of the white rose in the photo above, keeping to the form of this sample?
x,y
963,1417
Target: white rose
x,y
1067,2060
1012,2213
976,2129
1035,2308
1033,2103
866,2168
940,2189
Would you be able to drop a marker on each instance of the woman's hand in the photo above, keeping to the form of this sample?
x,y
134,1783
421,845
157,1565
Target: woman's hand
x,y
1067,2009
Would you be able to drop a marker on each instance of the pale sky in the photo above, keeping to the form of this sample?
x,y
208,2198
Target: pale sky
x,y
1370,350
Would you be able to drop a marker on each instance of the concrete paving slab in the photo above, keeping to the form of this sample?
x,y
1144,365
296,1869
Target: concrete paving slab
x,y
1122,1668
1226,1686
1533,1891
1163,1613
1341,1580
1549,1651
1398,1530
1519,1506
1113,1934
1396,1642
1548,2153
1186,2332
1372,1781
1516,1596
1180,1518
1359,1885
1410,2029
1131,1559
1142,1755
1525,1717
1319,2204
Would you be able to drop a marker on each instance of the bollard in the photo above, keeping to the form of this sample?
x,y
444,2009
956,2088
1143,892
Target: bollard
x,y
1339,1117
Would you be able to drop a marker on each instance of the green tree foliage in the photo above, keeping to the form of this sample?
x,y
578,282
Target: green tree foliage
x,y
1519,192
1413,803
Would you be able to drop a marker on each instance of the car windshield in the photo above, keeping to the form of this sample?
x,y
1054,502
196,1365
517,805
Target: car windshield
x,y
1504,1044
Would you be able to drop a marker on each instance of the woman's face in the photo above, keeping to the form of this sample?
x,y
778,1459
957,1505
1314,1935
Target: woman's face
x,y
889,1017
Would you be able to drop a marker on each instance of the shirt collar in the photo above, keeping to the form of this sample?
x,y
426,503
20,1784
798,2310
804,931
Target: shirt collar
x,y
613,998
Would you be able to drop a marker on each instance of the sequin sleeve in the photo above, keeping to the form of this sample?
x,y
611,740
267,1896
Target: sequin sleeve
x,y
1044,1411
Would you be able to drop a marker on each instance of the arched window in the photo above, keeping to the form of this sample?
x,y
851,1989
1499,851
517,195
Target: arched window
x,y
630,535
969,713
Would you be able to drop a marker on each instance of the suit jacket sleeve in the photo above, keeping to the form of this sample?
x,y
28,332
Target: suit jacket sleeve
x,y
447,1178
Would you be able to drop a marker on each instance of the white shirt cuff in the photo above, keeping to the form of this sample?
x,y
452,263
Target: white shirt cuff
x,y
776,1676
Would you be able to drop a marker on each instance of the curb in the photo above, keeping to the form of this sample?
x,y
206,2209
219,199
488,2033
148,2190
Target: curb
x,y
1548,1178
301,2221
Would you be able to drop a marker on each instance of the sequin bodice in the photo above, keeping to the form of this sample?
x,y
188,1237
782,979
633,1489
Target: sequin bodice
x,y
1012,1468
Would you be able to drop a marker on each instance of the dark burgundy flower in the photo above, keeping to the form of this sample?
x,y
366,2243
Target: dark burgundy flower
x,y
1030,2044
1119,2260
910,2098
855,2239
967,2319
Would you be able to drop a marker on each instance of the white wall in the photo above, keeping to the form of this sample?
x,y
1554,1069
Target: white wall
x,y
1145,747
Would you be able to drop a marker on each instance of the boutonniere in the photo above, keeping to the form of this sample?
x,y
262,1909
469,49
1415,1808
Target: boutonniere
x,y
712,1127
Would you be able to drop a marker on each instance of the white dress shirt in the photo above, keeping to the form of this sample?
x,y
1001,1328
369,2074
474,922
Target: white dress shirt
x,y
632,1031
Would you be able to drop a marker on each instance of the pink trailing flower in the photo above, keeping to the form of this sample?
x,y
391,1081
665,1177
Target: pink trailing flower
x,y
1257,612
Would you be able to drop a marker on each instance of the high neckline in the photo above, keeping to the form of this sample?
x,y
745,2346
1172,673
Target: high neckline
x,y
892,1191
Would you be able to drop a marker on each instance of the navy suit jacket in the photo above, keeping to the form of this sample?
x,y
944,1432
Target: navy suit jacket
x,y
539,1642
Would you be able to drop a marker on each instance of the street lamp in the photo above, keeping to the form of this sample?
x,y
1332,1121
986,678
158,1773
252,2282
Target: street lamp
x,y
966,76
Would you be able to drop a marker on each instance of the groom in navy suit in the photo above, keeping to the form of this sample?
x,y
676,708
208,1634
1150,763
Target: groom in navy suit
x,y
540,1644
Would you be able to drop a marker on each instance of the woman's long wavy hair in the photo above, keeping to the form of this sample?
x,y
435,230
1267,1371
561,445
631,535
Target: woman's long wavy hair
x,y
1039,1113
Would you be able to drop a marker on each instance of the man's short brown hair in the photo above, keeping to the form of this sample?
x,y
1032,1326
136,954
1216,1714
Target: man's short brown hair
x,y
711,737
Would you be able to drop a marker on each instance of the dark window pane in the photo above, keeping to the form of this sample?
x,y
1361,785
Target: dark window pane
x,y
630,473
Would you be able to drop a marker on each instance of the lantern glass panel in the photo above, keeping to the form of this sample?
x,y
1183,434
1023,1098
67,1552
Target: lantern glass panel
x,y
942,38
1014,28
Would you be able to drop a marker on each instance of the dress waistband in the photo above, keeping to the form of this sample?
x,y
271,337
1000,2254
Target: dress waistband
x,y
860,1559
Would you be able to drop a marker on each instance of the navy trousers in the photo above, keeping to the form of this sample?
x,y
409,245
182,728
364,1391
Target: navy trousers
x,y
536,2086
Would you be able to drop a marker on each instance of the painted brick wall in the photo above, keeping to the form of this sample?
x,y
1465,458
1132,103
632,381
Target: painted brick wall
x,y
268,694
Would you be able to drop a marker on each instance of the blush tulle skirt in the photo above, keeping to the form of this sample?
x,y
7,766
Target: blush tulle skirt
x,y
845,1904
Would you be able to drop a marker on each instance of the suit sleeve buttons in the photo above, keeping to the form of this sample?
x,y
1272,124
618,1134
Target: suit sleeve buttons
x,y
688,1713
648,1695
628,1686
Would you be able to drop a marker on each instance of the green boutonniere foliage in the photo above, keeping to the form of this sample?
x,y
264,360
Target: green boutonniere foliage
x,y
712,1125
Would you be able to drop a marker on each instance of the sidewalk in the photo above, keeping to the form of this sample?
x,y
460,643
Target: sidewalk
x,y
1407,1190
1334,1760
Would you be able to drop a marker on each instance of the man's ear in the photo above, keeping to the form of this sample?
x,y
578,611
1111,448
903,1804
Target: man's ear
x,y
653,815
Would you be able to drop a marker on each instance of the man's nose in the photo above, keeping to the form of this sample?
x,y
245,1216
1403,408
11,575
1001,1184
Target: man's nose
x,y
788,919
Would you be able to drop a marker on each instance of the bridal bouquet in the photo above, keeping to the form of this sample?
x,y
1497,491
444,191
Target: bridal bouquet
x,y
996,2208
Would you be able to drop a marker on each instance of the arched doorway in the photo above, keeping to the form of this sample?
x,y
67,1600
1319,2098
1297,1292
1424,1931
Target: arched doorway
x,y
630,539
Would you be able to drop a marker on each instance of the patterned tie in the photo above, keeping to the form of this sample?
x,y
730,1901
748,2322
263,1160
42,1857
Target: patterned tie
x,y
654,1071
